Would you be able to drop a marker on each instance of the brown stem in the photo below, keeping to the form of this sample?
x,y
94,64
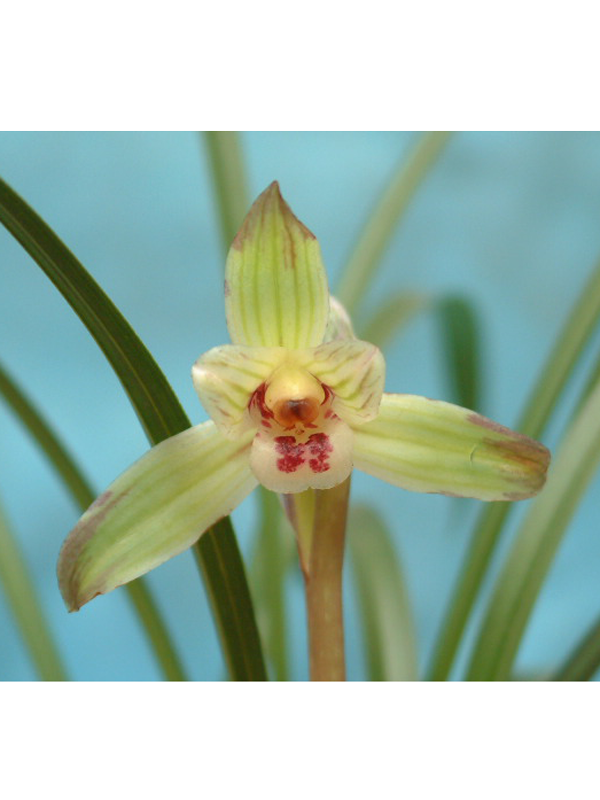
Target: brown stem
x,y
323,582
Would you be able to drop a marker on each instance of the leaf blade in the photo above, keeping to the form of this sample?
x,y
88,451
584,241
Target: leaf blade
x,y
83,496
535,546
22,596
384,218
388,623
563,357
461,349
157,406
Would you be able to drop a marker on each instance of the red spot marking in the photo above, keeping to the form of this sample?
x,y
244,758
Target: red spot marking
x,y
328,413
319,447
266,424
258,401
327,393
292,453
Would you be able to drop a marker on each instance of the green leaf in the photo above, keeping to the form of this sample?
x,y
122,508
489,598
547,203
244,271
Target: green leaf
x,y
535,546
274,556
561,362
226,163
20,591
83,495
461,349
583,663
381,224
383,596
156,405
235,618
392,315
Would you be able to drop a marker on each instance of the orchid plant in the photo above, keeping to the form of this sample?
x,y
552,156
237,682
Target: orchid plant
x,y
296,402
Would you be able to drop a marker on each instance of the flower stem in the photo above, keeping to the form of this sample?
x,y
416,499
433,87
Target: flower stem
x,y
323,584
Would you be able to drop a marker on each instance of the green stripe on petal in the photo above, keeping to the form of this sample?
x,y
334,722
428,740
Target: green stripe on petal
x,y
225,379
276,291
431,446
354,371
156,509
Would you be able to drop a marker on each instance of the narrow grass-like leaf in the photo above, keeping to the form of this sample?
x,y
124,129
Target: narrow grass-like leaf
x,y
271,563
584,661
71,475
229,180
158,409
80,490
235,611
388,624
380,226
461,349
392,315
22,596
535,546
571,342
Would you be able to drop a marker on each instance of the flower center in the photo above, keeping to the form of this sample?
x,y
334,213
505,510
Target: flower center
x,y
292,398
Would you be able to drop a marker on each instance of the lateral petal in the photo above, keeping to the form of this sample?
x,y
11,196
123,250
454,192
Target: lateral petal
x,y
276,291
354,371
156,509
431,446
225,378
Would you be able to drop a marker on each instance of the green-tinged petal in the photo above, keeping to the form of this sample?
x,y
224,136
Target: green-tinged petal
x,y
354,371
339,324
431,446
225,379
156,509
276,291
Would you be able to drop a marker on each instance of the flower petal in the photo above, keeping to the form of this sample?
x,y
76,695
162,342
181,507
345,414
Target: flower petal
x,y
156,509
339,324
225,379
354,371
276,291
286,462
431,446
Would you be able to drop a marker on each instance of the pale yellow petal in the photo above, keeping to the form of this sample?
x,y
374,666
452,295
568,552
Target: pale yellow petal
x,y
225,379
156,509
276,291
431,446
354,371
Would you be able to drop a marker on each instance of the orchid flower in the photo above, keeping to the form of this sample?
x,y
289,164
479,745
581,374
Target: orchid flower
x,y
296,402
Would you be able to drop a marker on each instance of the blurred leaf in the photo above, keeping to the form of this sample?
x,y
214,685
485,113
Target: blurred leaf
x,y
159,411
382,222
535,546
274,555
584,661
56,453
384,603
592,380
22,596
229,181
571,342
461,347
83,495
392,315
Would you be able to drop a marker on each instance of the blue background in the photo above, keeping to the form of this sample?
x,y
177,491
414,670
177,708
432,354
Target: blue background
x,y
509,219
